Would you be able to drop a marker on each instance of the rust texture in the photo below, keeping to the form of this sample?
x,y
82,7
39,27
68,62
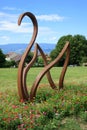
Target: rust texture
x,y
22,71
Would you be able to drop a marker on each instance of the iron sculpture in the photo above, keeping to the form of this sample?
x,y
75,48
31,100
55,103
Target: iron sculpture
x,y
22,71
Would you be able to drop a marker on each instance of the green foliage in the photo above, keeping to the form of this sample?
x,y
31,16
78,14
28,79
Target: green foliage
x,y
4,63
40,62
2,59
43,95
11,125
78,46
83,116
71,124
10,64
29,57
84,59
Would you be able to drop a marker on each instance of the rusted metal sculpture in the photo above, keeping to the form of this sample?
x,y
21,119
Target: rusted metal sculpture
x,y
22,71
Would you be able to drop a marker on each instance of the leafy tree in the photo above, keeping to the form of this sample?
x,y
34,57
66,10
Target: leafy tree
x,y
84,60
40,62
29,57
10,64
2,59
78,46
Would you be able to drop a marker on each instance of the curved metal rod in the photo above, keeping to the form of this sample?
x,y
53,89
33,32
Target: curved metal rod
x,y
26,69
22,71
47,68
52,84
21,91
61,79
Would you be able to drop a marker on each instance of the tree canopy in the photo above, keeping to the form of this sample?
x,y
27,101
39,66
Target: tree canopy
x,y
29,57
2,59
78,49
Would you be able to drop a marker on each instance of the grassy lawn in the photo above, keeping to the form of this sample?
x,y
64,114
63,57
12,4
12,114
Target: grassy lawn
x,y
54,110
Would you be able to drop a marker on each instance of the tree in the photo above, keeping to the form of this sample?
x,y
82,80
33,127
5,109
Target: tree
x,y
29,57
10,64
40,62
78,47
2,59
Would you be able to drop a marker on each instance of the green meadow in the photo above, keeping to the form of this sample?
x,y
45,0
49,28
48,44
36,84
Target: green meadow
x,y
52,109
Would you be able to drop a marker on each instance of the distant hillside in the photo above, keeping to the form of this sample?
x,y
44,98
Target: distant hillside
x,y
20,48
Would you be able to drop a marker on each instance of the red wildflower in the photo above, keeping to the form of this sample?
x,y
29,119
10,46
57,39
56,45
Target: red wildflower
x,y
14,106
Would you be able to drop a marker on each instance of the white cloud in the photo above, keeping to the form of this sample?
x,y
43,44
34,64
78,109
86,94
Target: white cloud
x,y
53,38
13,27
10,8
46,31
47,34
8,22
51,17
8,17
6,38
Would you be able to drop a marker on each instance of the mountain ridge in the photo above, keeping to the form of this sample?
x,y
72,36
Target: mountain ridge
x,y
20,48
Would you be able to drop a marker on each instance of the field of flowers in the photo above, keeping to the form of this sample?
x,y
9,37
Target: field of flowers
x,y
52,109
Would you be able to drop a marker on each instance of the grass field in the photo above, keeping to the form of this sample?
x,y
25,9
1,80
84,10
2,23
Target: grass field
x,y
54,110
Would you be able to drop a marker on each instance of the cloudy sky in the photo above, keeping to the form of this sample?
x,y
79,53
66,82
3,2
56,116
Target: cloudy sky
x,y
55,18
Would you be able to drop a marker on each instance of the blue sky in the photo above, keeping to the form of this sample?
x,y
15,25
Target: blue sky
x,y
55,18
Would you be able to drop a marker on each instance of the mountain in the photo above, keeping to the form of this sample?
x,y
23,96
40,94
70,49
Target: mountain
x,y
20,48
